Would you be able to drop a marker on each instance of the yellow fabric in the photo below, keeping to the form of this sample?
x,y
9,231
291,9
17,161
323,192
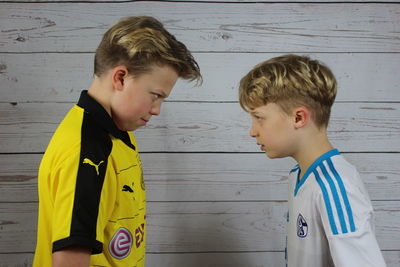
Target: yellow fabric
x,y
122,210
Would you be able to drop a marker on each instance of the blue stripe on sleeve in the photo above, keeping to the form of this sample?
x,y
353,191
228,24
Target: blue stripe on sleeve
x,y
335,198
327,203
344,195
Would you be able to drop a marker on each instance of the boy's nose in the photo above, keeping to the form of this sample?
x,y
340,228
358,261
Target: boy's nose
x,y
252,132
155,109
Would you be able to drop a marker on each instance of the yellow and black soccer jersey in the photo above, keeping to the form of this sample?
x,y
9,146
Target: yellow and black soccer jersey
x,y
91,190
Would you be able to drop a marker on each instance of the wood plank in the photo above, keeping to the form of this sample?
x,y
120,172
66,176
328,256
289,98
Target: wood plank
x,y
275,1
211,259
283,1
210,177
236,259
203,127
200,226
60,77
207,1
258,27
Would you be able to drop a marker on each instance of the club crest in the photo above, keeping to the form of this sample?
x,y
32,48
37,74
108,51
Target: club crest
x,y
302,226
141,172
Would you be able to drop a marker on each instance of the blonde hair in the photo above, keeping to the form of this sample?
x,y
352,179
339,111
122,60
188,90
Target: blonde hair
x,y
290,81
140,43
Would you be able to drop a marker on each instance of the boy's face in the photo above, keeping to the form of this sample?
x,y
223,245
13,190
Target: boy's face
x,y
141,97
273,130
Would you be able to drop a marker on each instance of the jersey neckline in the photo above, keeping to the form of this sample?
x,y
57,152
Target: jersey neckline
x,y
101,116
310,169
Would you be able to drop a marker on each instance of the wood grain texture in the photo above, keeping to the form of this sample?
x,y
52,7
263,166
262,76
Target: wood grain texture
x,y
178,227
210,177
241,259
60,77
355,127
210,259
207,1
217,27
206,208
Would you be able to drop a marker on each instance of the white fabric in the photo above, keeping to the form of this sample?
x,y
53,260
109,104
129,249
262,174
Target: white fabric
x,y
330,219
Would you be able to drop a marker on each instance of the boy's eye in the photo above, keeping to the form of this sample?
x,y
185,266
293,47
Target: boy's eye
x,y
156,96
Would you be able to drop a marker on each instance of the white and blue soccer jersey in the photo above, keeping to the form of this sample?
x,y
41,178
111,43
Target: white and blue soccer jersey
x,y
330,220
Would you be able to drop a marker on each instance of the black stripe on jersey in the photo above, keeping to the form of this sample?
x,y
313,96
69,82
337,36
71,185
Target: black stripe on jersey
x,y
96,147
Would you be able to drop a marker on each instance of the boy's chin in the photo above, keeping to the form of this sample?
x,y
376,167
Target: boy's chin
x,y
129,127
273,155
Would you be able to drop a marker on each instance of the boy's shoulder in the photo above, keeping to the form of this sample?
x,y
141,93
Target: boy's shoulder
x,y
338,193
341,169
74,132
336,176
331,175
67,134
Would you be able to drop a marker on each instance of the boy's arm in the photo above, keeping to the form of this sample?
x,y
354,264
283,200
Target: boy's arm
x,y
350,231
74,256
70,243
359,248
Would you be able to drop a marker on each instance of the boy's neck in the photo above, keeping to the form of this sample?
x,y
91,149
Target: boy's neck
x,y
101,92
311,149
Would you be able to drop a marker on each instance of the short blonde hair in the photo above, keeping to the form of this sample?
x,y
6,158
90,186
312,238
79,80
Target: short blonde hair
x,y
140,43
290,81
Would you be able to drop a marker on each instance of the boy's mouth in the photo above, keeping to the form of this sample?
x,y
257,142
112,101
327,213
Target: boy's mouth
x,y
261,146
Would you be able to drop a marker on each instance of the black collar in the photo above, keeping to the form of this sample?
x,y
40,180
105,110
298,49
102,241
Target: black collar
x,y
101,116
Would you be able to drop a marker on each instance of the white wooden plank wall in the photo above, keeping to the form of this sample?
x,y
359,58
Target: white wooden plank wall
x,y
214,199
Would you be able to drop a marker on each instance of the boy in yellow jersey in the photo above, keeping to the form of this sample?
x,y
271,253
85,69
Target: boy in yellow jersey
x,y
92,208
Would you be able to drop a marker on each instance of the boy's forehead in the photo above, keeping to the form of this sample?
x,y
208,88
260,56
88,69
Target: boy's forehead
x,y
257,110
265,108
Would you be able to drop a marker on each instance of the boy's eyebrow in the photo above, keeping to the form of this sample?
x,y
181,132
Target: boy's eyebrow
x,y
162,93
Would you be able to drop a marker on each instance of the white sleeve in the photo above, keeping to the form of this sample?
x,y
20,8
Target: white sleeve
x,y
350,230
358,248
347,218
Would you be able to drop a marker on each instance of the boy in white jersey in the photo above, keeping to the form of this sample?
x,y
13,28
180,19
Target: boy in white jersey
x,y
330,220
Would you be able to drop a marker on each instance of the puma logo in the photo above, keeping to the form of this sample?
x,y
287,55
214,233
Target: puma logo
x,y
127,188
88,161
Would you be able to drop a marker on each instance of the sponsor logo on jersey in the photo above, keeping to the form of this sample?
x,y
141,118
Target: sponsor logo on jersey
x,y
91,163
302,226
121,243
139,235
127,188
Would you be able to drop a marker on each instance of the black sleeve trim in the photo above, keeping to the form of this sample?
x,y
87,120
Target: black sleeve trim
x,y
94,245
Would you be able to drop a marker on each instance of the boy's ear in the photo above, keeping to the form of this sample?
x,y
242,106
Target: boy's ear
x,y
118,76
301,117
